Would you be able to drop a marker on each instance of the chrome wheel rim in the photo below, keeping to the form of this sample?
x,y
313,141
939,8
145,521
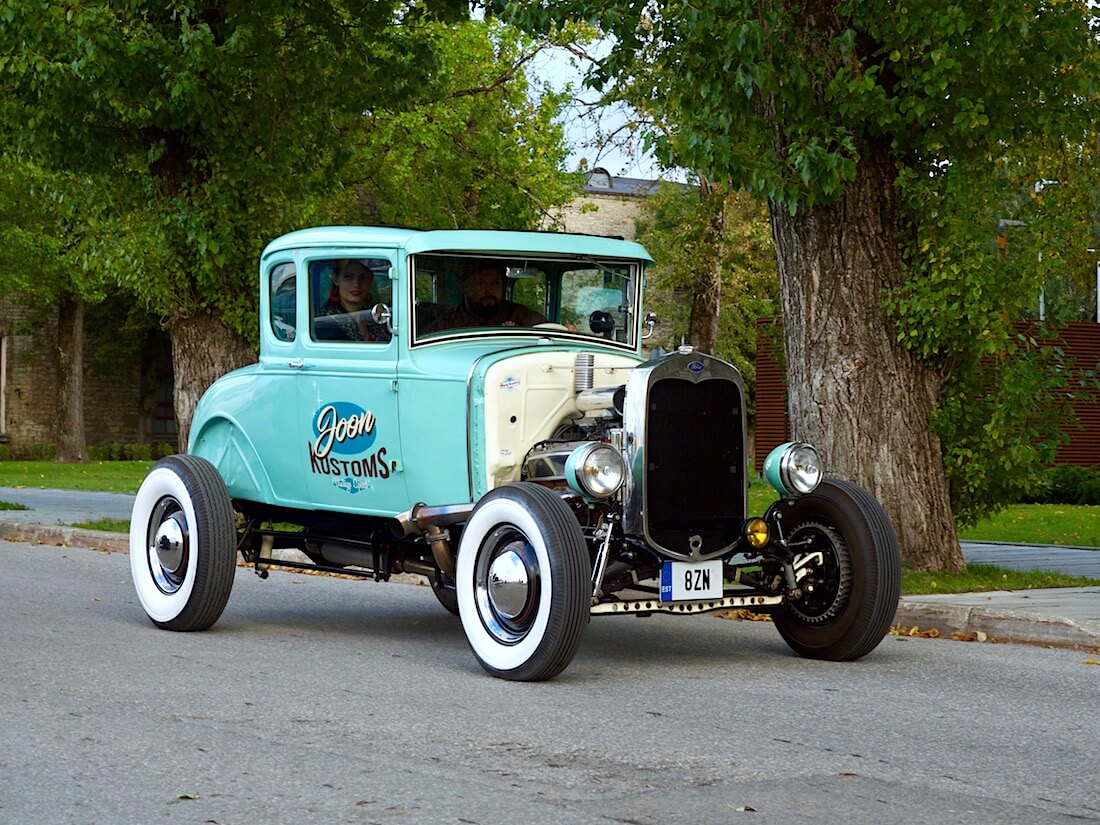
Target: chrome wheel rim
x,y
507,584
169,545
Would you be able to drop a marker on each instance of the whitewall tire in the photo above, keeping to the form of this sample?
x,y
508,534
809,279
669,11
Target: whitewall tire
x,y
183,544
524,583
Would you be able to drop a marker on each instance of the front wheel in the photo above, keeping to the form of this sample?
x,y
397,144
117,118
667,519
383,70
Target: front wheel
x,y
524,583
183,548
849,568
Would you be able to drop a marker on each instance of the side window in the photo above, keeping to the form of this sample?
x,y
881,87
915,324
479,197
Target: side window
x,y
283,311
343,291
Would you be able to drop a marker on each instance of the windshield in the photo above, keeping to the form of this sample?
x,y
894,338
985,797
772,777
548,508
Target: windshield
x,y
474,294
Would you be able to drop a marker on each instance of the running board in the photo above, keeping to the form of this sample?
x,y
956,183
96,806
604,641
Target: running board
x,y
705,606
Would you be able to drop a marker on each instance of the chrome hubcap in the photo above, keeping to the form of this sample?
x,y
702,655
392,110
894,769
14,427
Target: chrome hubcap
x,y
507,584
169,545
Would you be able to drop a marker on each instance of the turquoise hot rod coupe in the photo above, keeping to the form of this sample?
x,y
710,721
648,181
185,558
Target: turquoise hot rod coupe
x,y
474,407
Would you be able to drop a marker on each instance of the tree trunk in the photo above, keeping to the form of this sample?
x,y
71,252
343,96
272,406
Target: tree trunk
x,y
71,442
855,393
203,349
706,288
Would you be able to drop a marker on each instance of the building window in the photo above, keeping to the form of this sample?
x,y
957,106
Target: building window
x,y
164,412
599,179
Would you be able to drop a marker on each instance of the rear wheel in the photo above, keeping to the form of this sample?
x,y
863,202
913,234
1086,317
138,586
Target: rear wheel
x,y
447,594
183,544
849,569
524,583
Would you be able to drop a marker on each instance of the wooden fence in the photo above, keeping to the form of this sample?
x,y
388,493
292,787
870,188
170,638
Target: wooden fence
x,y
1079,340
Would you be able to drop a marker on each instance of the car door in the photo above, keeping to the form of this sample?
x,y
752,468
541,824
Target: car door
x,y
347,397
267,409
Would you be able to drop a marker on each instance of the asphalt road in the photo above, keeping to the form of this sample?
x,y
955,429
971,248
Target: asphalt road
x,y
325,700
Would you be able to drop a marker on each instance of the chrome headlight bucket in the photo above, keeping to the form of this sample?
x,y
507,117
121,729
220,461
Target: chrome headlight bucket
x,y
595,470
794,468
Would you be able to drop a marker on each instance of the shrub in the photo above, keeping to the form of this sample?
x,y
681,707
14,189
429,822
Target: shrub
x,y
1068,484
139,452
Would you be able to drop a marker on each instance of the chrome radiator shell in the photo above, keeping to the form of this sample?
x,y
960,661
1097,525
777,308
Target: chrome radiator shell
x,y
684,425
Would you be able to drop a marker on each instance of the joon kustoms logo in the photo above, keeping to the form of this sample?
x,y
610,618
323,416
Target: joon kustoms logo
x,y
343,428
344,446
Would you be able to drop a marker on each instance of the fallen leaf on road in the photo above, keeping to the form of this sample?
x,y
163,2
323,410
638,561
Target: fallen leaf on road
x,y
847,773
1092,661
188,796
964,637
914,631
747,615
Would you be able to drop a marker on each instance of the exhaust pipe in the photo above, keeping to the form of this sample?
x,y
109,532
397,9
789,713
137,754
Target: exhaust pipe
x,y
430,522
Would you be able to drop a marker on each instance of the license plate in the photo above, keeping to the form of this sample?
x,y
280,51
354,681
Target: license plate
x,y
685,581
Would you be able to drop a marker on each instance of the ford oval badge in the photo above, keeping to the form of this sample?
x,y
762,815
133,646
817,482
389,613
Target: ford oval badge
x,y
696,366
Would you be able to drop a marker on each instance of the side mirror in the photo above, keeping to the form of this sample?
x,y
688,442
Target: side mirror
x,y
382,315
601,323
650,322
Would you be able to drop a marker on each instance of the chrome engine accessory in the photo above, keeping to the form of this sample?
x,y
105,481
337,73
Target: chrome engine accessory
x,y
583,371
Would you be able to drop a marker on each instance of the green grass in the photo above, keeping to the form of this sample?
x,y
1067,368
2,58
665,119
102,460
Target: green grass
x,y
11,505
1040,524
1017,524
984,577
105,476
110,525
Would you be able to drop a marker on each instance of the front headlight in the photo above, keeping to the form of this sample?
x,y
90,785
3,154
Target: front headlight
x,y
793,469
595,470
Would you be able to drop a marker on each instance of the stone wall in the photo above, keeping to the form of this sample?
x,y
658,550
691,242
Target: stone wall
x,y
118,396
30,391
597,214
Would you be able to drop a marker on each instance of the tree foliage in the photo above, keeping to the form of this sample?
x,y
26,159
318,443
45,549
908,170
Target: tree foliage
x,y
674,230
222,119
216,126
233,123
485,148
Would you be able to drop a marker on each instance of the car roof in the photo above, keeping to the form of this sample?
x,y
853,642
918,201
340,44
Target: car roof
x,y
458,240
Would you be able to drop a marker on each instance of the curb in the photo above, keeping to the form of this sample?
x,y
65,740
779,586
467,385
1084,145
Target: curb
x,y
998,625
65,536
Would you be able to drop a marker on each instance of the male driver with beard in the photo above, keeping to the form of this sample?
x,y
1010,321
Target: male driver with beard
x,y
483,303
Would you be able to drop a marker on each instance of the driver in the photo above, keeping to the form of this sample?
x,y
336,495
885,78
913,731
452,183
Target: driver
x,y
483,303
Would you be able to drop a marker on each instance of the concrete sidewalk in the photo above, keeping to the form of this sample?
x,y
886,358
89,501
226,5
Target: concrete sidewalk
x,y
1066,617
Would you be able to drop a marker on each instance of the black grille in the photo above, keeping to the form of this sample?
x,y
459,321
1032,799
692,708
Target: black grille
x,y
695,464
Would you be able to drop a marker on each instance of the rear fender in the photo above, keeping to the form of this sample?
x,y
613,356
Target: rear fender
x,y
223,443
